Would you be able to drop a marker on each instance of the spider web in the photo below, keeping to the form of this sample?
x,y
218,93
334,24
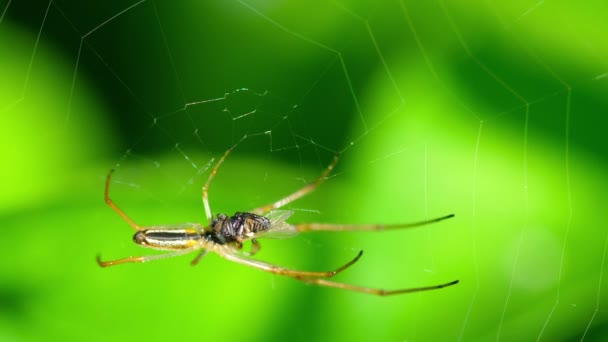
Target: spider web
x,y
489,111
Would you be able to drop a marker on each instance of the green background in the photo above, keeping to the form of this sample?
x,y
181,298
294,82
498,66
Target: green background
x,y
495,112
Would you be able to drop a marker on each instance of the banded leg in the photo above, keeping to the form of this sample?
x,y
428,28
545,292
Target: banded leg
x,y
377,292
307,227
298,194
115,207
228,255
145,258
206,186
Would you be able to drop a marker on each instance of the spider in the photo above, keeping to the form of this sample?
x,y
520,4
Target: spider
x,y
225,236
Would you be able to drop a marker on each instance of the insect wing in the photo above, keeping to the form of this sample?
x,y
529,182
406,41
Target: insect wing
x,y
279,229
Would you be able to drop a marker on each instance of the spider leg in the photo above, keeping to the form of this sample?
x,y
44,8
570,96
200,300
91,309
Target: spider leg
x,y
378,292
307,227
229,255
146,257
198,257
115,207
301,192
206,186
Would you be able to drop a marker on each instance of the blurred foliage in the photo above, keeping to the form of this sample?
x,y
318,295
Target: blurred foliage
x,y
493,111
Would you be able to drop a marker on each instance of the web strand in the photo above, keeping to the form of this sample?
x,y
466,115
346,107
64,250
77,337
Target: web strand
x,y
479,101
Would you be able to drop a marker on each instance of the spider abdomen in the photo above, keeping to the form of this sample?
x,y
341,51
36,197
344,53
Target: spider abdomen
x,y
167,237
239,227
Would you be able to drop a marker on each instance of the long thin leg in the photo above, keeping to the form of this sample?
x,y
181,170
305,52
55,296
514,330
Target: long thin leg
x,y
307,227
115,207
145,258
198,257
206,186
316,278
228,255
378,292
296,195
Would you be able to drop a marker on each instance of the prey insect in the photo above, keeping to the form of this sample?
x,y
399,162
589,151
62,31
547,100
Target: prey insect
x,y
225,235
